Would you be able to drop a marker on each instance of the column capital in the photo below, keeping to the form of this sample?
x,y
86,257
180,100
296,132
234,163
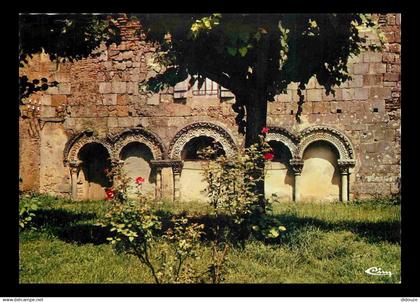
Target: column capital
x,y
344,166
296,165
74,165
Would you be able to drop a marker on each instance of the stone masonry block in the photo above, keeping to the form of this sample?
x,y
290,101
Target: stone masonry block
x,y
314,95
45,100
105,87
392,77
311,83
62,77
377,68
58,99
357,81
125,122
47,111
52,90
133,88
380,93
153,99
361,93
110,99
371,57
64,88
372,79
112,122
119,87
360,68
332,97
348,94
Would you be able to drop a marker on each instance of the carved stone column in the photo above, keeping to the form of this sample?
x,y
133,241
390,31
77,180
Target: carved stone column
x,y
297,165
344,168
176,170
74,169
158,187
167,179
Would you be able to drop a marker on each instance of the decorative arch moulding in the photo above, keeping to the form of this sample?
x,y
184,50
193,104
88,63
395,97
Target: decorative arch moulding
x,y
218,133
296,143
139,135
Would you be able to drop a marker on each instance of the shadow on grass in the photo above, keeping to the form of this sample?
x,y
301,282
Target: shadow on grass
x,y
69,227
373,232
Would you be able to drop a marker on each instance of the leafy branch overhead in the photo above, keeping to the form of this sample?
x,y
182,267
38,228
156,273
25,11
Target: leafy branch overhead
x,y
227,48
64,37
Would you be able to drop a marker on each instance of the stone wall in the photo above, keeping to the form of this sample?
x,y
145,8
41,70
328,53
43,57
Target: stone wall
x,y
102,94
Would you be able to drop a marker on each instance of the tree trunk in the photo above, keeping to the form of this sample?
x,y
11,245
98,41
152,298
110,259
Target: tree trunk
x,y
256,117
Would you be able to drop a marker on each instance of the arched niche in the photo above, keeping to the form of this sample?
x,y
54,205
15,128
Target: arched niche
x,y
287,138
76,142
141,135
219,134
92,181
279,179
136,157
320,177
192,182
333,136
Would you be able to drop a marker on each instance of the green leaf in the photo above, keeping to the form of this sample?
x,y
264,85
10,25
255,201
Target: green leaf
x,y
232,51
274,233
243,51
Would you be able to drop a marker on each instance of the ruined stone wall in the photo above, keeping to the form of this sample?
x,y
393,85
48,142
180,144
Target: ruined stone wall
x,y
366,109
101,93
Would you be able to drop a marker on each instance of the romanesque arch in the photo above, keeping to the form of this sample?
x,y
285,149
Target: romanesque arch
x,y
76,142
289,139
198,129
330,135
279,179
140,135
328,149
86,170
188,180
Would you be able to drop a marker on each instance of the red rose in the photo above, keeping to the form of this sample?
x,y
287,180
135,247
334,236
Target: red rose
x,y
268,156
139,180
264,130
110,193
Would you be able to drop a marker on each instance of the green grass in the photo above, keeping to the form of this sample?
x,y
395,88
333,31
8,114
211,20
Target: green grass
x,y
324,243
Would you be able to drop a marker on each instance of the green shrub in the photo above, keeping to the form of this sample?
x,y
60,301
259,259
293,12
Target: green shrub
x,y
28,205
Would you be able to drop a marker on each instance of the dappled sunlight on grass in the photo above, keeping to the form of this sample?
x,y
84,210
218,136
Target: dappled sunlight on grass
x,y
324,243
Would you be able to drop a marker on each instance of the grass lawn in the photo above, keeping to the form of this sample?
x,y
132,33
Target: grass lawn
x,y
324,243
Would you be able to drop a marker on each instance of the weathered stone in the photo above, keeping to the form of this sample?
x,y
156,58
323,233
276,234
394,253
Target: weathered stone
x,y
64,88
392,77
110,99
371,56
372,79
125,122
361,93
360,68
133,88
105,87
314,95
57,100
380,92
104,97
348,94
377,68
357,81
45,100
118,87
153,99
